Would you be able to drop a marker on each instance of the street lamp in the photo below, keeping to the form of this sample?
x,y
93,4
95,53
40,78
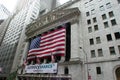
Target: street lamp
x,y
86,61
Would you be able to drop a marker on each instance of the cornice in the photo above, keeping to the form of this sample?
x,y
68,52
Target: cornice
x,y
50,20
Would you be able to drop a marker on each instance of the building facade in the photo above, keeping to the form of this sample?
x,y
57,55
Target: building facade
x,y
94,40
9,50
3,27
4,13
101,38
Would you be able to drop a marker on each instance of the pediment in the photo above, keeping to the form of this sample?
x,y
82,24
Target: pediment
x,y
51,18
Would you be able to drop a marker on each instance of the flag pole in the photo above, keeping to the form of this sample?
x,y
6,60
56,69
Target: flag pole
x,y
86,59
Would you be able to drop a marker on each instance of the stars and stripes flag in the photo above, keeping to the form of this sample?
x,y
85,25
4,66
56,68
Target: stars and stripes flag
x,y
51,43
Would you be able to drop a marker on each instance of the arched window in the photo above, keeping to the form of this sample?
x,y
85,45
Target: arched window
x,y
117,73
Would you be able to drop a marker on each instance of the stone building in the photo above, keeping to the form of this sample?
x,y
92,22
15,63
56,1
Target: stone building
x,y
94,40
71,65
11,40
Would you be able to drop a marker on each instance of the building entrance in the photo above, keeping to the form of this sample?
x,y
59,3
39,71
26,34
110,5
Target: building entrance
x,y
117,72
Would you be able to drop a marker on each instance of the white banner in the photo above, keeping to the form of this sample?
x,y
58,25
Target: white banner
x,y
41,68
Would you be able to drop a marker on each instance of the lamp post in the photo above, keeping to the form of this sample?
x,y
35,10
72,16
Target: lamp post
x,y
86,61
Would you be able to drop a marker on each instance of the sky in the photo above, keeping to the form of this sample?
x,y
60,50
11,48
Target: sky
x,y
9,4
63,1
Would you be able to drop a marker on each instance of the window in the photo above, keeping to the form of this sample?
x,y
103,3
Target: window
x,y
91,41
98,70
113,22
95,27
109,37
119,48
89,29
118,1
108,5
48,60
104,16
106,24
57,58
86,4
117,35
87,14
41,60
111,14
66,70
89,21
100,53
94,19
112,50
93,54
102,8
93,11
98,40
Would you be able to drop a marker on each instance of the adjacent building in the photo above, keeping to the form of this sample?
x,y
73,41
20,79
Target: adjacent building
x,y
4,13
11,41
101,38
3,28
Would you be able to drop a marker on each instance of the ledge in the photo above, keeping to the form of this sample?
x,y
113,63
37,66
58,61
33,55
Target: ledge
x,y
44,75
72,61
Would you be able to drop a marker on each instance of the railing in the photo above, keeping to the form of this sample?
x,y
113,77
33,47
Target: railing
x,y
45,77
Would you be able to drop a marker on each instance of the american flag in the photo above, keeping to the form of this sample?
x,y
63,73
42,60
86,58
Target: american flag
x,y
52,42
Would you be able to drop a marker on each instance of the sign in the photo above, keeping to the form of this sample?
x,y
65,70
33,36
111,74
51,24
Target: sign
x,y
41,68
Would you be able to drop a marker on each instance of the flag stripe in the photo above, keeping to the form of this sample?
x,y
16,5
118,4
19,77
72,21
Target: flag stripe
x,y
52,38
50,43
48,54
48,50
53,32
47,47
